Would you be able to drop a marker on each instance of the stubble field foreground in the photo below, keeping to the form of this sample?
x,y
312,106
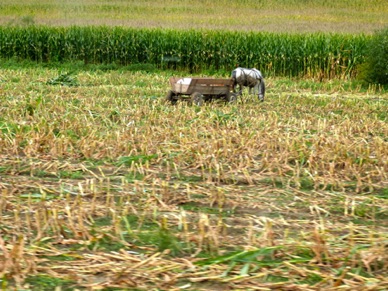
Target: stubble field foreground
x,y
104,186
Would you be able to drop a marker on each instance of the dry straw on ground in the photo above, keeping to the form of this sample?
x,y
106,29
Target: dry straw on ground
x,y
103,185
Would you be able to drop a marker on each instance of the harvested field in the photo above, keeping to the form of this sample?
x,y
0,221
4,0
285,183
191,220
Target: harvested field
x,y
105,186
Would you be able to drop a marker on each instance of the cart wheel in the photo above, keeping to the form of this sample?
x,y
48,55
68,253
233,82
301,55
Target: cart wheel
x,y
231,97
170,97
197,99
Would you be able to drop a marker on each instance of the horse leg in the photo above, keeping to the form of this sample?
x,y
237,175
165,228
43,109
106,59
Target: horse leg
x,y
241,93
255,90
252,90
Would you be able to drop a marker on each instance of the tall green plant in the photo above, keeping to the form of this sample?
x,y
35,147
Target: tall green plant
x,y
318,54
375,69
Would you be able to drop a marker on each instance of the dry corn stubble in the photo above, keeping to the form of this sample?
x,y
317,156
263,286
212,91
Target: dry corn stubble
x,y
104,185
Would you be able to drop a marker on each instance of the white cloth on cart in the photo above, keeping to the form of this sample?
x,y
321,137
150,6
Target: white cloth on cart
x,y
185,81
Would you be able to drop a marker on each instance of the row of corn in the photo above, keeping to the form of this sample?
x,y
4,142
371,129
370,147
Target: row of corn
x,y
316,54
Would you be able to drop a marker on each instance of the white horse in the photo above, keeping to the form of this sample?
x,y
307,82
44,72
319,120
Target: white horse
x,y
251,78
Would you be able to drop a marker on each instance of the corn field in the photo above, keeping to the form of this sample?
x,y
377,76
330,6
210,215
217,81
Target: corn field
x,y
312,55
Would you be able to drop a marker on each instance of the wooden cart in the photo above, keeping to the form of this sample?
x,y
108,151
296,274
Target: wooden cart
x,y
199,90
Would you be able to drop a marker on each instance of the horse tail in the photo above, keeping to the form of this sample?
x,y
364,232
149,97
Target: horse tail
x,y
262,89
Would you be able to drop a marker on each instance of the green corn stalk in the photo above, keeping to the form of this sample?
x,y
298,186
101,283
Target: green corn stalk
x,y
280,54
